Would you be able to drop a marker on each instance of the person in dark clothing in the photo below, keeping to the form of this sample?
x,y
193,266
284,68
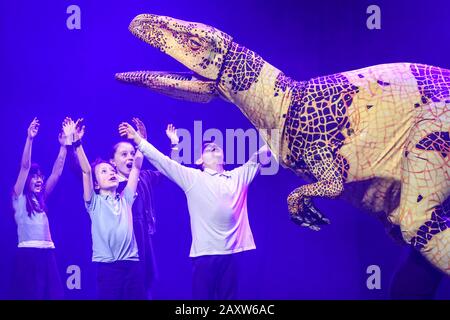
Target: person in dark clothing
x,y
122,157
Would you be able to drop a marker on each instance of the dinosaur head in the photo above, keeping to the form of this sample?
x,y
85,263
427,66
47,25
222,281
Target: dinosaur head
x,y
199,47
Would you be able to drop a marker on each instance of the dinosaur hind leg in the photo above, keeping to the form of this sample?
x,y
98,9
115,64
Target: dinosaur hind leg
x,y
424,211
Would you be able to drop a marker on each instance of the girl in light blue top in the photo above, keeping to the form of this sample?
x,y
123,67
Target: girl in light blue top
x,y
120,276
36,274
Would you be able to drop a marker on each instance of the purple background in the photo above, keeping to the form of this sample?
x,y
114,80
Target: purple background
x,y
49,71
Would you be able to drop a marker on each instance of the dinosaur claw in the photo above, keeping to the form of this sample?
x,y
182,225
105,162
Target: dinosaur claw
x,y
326,220
304,222
316,214
309,217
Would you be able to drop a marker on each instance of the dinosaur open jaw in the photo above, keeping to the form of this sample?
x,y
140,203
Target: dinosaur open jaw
x,y
179,85
142,77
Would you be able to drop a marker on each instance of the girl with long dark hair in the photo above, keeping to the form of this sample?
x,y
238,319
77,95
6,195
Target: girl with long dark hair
x,y
36,274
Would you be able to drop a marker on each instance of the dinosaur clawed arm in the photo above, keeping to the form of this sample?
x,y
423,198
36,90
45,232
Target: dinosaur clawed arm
x,y
329,184
310,217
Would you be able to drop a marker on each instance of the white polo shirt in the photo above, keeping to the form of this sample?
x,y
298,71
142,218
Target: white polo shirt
x,y
217,203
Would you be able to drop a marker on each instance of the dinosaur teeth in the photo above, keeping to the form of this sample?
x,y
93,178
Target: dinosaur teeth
x,y
144,76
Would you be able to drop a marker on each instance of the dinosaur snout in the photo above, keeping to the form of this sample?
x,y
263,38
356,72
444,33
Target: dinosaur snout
x,y
146,21
136,76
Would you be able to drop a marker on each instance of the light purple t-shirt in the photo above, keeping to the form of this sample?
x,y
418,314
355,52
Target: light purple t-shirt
x,y
32,228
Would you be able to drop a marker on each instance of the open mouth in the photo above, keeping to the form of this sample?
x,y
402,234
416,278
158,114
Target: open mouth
x,y
113,179
201,49
148,76
188,86
129,165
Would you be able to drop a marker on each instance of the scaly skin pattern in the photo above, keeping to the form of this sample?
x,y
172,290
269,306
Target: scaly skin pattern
x,y
378,136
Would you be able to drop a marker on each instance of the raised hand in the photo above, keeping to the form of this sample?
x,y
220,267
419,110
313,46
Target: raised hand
x,y
68,128
127,131
79,129
140,128
171,133
33,129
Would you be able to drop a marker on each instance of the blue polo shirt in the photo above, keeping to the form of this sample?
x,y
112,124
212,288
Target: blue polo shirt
x,y
112,227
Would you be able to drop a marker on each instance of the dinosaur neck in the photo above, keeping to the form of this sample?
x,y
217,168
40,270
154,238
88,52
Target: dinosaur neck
x,y
262,92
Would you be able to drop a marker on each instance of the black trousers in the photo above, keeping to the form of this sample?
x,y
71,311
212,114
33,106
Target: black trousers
x,y
415,279
36,275
146,252
215,277
121,280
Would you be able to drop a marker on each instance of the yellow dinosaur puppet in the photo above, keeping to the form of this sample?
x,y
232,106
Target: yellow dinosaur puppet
x,y
381,132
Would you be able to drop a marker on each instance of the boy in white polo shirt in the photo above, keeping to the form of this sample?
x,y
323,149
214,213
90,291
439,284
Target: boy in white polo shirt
x,y
217,203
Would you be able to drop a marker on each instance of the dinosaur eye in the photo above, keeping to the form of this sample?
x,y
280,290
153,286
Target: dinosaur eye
x,y
194,43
